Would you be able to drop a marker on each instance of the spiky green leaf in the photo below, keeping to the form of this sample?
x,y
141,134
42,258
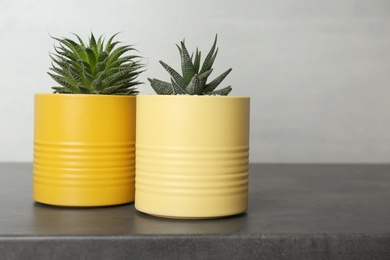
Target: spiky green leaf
x,y
161,87
91,58
103,56
81,42
110,44
83,89
204,76
209,60
92,43
214,84
187,67
221,92
59,70
64,90
63,81
116,76
194,87
114,56
86,71
197,61
110,90
75,74
97,84
176,89
175,75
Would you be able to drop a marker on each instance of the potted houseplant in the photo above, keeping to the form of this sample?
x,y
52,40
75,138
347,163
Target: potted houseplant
x,y
192,144
84,132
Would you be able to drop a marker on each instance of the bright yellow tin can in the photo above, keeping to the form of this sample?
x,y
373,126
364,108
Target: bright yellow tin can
x,y
84,149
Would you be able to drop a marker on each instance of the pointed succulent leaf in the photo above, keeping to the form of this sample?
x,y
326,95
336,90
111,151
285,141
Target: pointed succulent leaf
x,y
187,67
125,84
81,42
110,90
129,85
214,56
103,56
125,61
208,62
194,87
221,92
64,54
133,75
91,57
112,57
75,74
100,68
180,50
86,70
64,90
204,76
99,45
61,80
92,43
111,47
59,70
61,60
76,65
175,75
97,84
124,70
78,50
110,44
122,88
114,77
214,84
197,61
83,89
161,87
130,91
176,89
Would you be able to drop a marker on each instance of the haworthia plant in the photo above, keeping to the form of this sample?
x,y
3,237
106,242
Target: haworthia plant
x,y
193,80
95,67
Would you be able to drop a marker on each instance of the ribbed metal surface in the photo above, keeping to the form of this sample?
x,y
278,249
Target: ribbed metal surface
x,y
77,164
75,169
191,172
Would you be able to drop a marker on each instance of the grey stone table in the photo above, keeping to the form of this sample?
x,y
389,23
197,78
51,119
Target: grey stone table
x,y
295,212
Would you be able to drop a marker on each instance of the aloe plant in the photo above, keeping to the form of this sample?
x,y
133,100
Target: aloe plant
x,y
95,67
193,80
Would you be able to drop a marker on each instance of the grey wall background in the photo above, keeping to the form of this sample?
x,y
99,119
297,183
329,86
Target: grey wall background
x,y
317,71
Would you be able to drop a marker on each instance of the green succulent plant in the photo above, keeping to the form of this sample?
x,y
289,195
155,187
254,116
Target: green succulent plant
x,y
193,80
95,67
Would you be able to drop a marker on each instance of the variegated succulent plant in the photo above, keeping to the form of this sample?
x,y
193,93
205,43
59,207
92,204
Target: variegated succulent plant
x,y
95,67
193,80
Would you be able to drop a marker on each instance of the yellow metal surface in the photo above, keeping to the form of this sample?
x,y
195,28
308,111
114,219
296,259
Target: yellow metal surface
x,y
192,155
84,149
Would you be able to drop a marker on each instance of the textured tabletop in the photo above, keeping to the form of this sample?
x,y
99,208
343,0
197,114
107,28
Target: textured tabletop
x,y
296,211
